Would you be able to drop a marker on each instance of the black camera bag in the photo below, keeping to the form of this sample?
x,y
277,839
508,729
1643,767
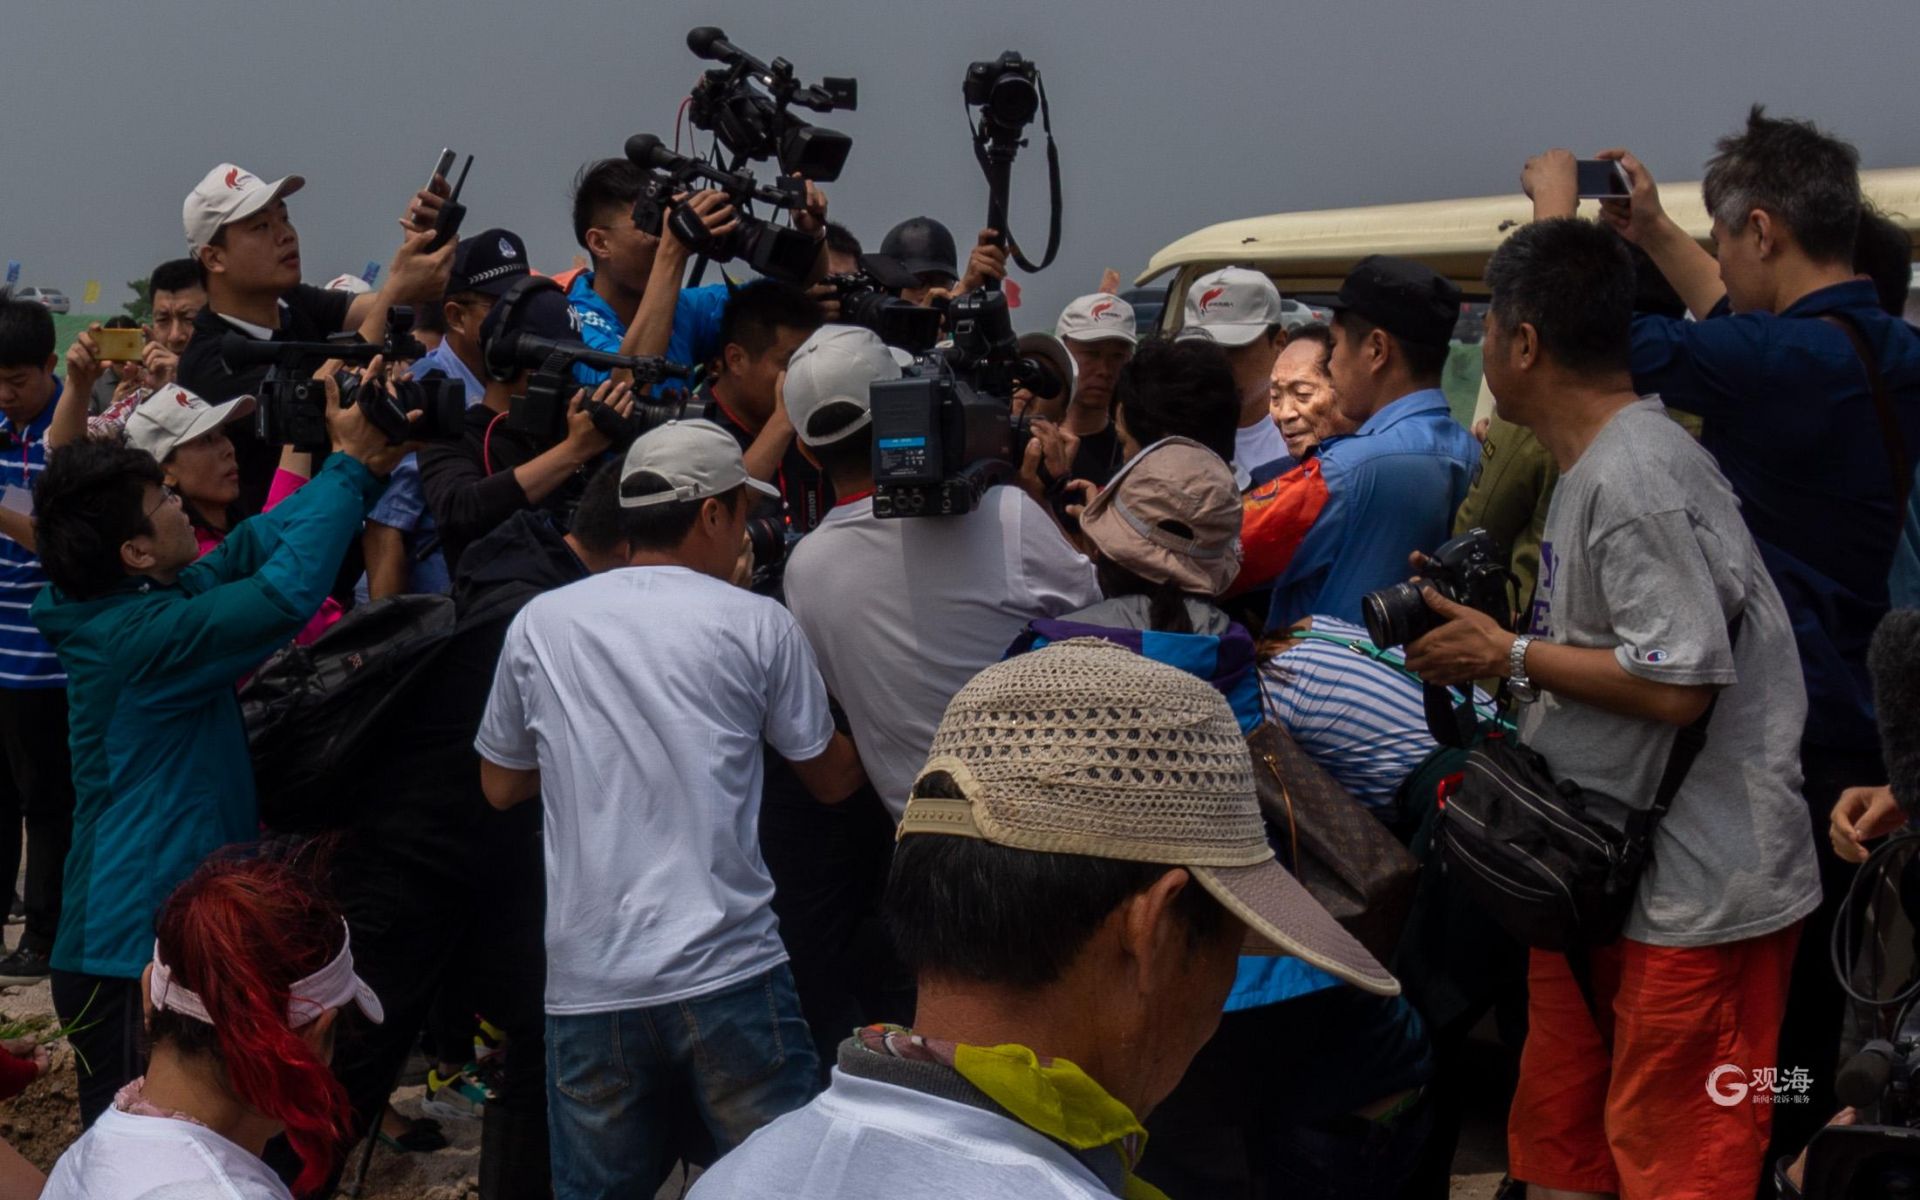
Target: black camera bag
x,y
1531,850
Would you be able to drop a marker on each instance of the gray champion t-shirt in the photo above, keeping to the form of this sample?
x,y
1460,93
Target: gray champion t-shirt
x,y
1645,553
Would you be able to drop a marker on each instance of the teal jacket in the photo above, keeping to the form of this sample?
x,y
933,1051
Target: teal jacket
x,y
161,773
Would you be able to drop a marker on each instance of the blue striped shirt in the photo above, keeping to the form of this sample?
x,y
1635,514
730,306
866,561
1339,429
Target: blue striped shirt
x,y
26,661
1361,720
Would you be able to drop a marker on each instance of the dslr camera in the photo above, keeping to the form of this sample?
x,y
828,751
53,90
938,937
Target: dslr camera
x,y
777,251
1470,570
292,404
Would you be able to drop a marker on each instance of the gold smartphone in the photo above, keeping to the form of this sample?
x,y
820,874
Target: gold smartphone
x,y
120,345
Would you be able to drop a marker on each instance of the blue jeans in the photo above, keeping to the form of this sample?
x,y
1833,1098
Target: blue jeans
x,y
614,1081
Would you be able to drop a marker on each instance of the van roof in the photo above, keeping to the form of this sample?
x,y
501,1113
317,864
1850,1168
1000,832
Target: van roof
x,y
1313,251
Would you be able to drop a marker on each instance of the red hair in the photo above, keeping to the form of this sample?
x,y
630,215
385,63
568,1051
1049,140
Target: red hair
x,y
239,933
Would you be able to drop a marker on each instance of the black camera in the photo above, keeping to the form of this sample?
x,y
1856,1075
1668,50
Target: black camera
x,y
870,297
945,433
1879,1155
745,103
1006,90
291,408
541,411
777,251
1470,570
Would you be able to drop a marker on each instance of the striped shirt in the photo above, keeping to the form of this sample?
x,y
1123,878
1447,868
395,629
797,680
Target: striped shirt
x,y
1362,720
26,661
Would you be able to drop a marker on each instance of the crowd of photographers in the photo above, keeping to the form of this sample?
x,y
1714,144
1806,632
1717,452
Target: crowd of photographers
x,y
652,758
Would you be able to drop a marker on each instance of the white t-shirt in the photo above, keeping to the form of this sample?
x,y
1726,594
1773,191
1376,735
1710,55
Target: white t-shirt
x,y
642,697
902,613
1256,445
866,1140
125,1157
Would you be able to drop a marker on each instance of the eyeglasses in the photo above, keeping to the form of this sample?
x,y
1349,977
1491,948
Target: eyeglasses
x,y
167,496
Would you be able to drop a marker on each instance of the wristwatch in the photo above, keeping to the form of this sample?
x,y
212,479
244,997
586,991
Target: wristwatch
x,y
1517,681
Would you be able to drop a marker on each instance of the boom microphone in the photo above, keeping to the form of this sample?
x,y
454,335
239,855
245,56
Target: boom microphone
x,y
531,351
1894,663
1863,1080
646,150
711,42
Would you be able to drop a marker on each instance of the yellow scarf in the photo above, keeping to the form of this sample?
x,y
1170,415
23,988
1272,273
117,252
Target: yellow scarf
x,y
1061,1101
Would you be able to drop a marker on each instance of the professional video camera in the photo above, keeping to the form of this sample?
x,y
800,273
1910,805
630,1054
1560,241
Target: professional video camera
x,y
773,250
292,404
946,432
745,105
870,297
541,412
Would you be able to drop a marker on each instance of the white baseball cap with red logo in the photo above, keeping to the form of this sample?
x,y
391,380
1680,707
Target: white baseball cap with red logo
x,y
229,194
1232,306
174,416
1097,318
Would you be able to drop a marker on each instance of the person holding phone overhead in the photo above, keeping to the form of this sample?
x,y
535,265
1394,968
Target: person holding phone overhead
x,y
241,234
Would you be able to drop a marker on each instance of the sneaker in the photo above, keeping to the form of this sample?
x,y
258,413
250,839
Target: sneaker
x,y
489,1041
23,966
461,1097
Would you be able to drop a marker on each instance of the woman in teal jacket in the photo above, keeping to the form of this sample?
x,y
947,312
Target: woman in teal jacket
x,y
153,643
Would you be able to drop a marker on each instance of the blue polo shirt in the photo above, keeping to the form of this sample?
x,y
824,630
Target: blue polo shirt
x,y
26,661
1790,419
696,325
1392,488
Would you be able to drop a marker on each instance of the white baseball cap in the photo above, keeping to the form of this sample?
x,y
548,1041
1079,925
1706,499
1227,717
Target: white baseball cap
x,y
1232,306
229,194
174,416
1097,318
698,459
835,367
349,283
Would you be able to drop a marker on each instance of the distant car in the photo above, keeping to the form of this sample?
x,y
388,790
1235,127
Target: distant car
x,y
55,299
1294,314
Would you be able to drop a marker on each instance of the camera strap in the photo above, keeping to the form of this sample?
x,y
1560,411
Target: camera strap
x,y
1053,185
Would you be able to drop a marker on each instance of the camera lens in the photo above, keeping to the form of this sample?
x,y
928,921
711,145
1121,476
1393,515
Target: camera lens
x,y
1396,615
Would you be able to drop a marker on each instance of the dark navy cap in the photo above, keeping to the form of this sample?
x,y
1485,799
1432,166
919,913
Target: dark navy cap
x,y
1407,299
489,262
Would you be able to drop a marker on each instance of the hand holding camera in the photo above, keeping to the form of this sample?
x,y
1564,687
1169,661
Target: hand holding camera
x,y
351,427
987,264
595,425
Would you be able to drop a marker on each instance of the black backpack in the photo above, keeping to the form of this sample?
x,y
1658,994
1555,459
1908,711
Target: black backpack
x,y
311,711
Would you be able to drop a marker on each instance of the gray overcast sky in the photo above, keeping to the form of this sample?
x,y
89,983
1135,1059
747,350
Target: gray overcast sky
x,y
1171,114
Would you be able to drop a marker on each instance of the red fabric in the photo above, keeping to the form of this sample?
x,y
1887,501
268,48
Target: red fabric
x,y
285,483
1641,1123
15,1074
1274,519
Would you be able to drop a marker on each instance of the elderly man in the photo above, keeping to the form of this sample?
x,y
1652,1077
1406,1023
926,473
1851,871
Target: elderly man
x,y
1074,927
1302,401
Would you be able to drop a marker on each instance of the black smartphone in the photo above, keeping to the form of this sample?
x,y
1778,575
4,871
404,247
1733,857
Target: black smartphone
x,y
1602,179
446,226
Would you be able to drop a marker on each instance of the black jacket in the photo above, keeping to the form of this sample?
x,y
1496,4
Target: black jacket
x,y
431,816
470,487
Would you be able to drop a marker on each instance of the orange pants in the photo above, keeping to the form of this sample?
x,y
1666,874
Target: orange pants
x,y
1667,1115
